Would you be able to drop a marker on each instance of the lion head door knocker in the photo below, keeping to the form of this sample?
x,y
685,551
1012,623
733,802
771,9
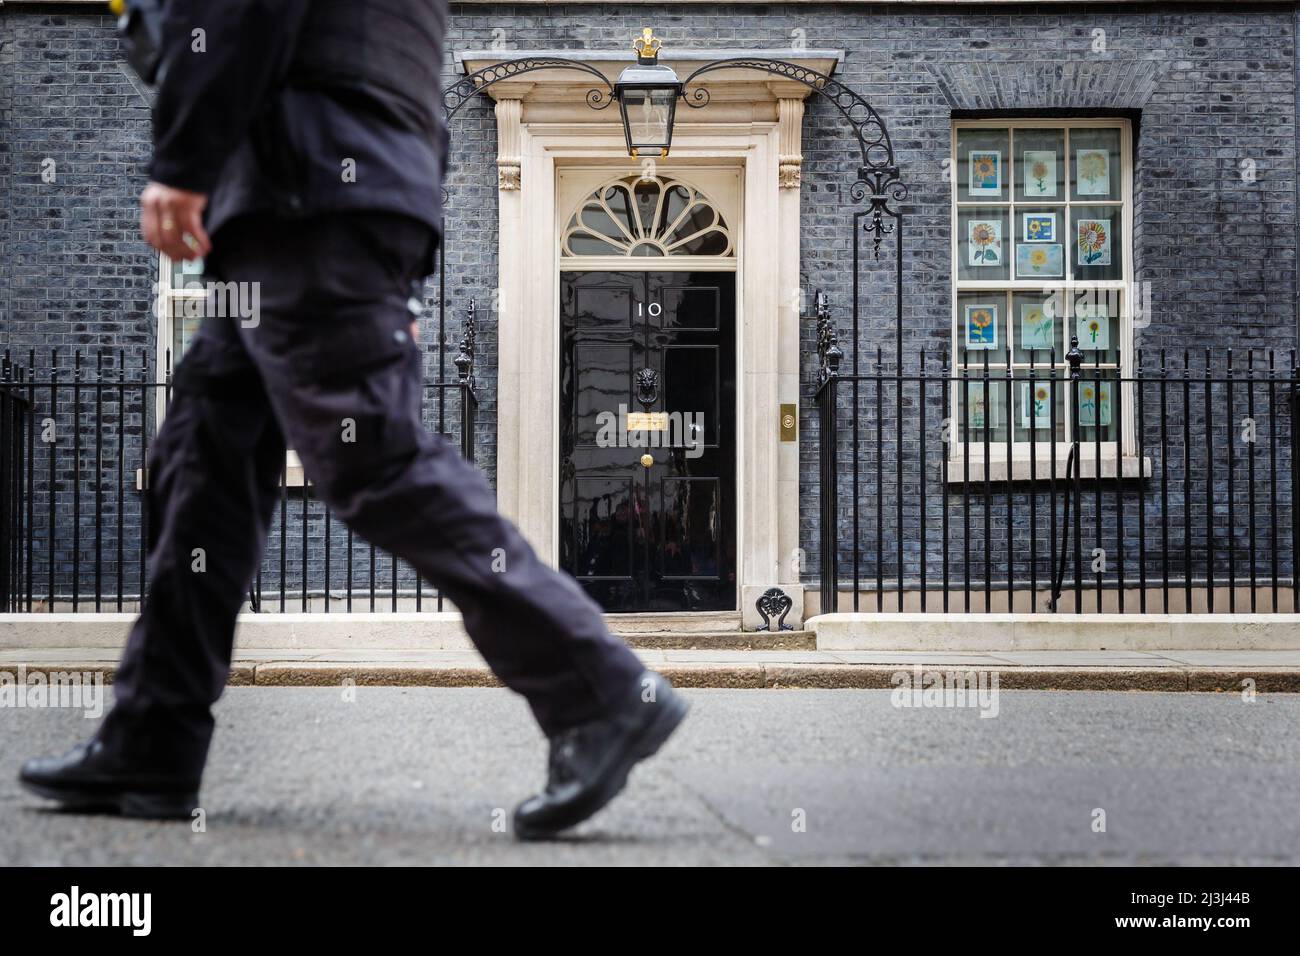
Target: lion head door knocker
x,y
774,602
647,386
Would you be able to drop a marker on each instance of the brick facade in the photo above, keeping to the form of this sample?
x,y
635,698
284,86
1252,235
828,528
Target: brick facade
x,y
1210,87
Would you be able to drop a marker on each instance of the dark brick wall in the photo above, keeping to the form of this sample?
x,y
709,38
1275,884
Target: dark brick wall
x,y
75,274
1213,86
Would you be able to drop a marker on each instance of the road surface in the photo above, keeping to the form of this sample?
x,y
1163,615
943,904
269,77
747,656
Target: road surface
x,y
428,776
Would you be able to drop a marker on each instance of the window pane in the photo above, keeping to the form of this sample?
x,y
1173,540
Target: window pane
x,y
646,192
586,244
1037,326
1095,164
1098,242
1040,169
186,316
1097,404
981,328
1095,319
1040,247
186,274
595,219
983,244
981,164
1033,418
982,408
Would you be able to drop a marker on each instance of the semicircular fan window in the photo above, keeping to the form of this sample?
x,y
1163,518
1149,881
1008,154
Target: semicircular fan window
x,y
647,217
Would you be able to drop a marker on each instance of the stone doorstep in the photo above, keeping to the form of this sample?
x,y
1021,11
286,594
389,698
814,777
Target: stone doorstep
x,y
718,640
383,633
763,671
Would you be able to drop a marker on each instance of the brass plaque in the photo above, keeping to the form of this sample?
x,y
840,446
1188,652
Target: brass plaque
x,y
789,422
647,421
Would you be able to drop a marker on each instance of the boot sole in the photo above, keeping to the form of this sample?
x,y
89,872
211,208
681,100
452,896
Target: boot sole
x,y
645,744
127,803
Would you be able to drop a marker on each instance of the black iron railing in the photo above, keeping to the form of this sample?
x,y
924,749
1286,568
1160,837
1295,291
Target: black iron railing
x,y
75,432
1168,486
15,424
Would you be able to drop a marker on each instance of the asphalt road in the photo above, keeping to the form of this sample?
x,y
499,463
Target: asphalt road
x,y
420,775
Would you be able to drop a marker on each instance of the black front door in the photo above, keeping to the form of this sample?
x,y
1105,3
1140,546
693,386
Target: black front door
x,y
648,439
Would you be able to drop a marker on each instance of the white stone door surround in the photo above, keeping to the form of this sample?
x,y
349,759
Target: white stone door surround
x,y
752,126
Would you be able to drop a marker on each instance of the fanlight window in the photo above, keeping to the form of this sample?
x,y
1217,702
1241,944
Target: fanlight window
x,y
647,217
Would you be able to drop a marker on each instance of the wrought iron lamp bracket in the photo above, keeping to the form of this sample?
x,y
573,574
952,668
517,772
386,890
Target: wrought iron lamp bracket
x,y
878,180
465,88
885,192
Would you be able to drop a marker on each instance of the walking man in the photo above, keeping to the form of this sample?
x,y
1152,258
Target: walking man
x,y
299,149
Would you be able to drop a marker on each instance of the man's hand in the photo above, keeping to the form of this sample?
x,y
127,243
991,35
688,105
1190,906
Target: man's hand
x,y
172,221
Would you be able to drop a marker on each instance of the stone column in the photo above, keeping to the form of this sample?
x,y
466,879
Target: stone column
x,y
508,297
790,108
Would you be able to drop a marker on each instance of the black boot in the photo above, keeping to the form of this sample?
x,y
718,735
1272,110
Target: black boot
x,y
90,777
589,763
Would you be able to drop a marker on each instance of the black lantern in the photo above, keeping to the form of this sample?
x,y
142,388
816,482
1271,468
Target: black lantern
x,y
647,97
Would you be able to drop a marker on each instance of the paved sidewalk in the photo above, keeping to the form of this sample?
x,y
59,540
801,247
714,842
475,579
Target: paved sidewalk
x,y
1271,671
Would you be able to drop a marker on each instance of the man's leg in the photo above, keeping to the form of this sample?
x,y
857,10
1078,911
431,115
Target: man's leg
x,y
213,478
539,632
344,378
214,473
354,420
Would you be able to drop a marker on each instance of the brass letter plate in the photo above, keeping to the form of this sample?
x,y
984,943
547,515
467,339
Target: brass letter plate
x,y
647,421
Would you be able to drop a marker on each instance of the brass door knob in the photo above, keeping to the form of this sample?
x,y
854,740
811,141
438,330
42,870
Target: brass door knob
x,y
647,460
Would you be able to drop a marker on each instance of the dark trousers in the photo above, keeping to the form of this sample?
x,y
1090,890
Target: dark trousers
x,y
328,367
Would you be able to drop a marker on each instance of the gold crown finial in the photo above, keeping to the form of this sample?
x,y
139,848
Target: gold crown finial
x,y
647,45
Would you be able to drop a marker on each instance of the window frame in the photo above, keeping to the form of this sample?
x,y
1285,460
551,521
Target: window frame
x,y
168,298
572,226
1008,288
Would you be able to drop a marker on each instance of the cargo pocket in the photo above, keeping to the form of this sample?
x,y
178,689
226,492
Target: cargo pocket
x,y
354,396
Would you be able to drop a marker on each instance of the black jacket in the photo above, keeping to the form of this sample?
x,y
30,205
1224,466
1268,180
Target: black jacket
x,y
246,114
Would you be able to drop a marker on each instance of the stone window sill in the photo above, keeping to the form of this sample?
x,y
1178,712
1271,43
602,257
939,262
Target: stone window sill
x,y
293,473
1041,470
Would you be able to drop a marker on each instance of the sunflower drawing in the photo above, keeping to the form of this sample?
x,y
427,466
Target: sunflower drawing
x,y
1088,405
1038,258
981,327
1092,168
1039,172
1041,396
1094,398
986,171
985,239
1037,328
1094,243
